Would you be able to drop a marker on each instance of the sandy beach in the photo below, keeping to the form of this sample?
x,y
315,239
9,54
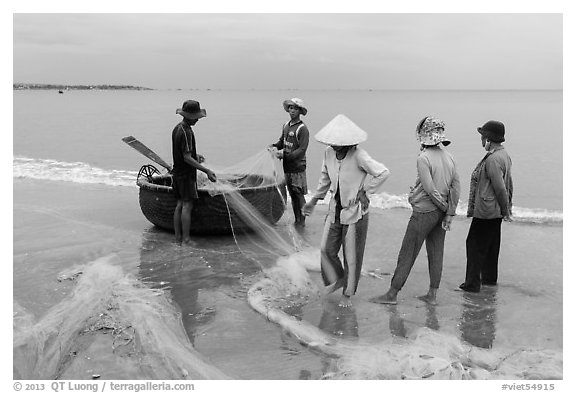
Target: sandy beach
x,y
69,227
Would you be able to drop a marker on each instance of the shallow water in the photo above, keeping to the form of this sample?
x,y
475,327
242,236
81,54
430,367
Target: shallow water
x,y
208,286
87,127
75,203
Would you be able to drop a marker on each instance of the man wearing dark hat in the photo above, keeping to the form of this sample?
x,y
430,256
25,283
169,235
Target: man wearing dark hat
x,y
489,203
292,147
186,162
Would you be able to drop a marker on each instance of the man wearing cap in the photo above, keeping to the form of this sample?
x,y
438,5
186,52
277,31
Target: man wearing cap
x,y
186,162
433,198
489,202
349,174
291,149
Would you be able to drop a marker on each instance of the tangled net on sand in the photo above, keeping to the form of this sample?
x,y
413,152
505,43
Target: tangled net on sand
x,y
427,354
145,330
285,258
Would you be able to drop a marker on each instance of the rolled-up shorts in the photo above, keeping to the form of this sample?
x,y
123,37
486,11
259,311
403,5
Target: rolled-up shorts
x,y
297,181
185,188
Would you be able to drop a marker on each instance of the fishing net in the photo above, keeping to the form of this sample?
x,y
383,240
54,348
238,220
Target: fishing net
x,y
115,316
138,329
285,259
264,235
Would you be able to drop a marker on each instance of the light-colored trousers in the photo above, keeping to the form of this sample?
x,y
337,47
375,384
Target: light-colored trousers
x,y
352,239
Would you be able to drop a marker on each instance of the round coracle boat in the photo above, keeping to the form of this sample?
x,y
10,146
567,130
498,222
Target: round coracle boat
x,y
211,215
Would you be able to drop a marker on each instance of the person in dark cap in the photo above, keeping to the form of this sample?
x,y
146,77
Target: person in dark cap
x,y
291,149
186,162
489,202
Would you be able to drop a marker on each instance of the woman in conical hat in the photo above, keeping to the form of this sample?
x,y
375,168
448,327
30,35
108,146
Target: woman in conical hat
x,y
344,175
434,198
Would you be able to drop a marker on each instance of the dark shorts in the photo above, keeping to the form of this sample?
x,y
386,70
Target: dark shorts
x,y
297,181
184,188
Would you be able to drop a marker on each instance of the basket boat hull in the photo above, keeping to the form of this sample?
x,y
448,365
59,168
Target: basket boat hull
x,y
210,215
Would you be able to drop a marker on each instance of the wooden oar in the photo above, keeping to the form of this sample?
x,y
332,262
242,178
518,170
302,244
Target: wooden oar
x,y
136,144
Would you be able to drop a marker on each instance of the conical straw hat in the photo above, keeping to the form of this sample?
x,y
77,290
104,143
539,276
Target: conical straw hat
x,y
341,131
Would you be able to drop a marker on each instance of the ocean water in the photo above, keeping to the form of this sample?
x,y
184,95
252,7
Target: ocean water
x,y
90,273
84,129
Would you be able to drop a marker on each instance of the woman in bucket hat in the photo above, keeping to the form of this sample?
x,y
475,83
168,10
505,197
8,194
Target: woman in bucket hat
x,y
291,149
344,175
186,162
434,199
490,202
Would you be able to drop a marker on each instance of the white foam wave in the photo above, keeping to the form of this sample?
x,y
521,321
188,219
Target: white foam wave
x,y
81,172
76,172
387,201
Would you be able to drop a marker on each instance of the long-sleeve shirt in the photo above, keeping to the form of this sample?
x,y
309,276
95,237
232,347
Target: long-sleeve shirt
x,y
437,182
348,177
294,143
491,186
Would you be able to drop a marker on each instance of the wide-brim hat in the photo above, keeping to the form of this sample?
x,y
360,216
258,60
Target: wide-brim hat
x,y
493,130
191,110
341,131
295,101
430,132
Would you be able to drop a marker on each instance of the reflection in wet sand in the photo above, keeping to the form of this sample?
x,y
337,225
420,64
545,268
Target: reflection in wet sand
x,y
478,320
340,322
185,271
337,320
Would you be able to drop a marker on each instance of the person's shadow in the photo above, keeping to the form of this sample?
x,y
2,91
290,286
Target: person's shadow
x,y
478,321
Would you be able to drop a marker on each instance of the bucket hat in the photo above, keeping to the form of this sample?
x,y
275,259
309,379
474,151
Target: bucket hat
x,y
191,110
493,130
295,101
430,132
341,131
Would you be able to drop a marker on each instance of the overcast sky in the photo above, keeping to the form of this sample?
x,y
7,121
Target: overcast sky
x,y
300,51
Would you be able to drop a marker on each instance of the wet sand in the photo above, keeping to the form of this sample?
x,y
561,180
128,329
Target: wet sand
x,y
59,226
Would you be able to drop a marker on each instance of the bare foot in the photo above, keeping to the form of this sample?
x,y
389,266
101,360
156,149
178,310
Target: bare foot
x,y
188,242
428,299
387,298
333,287
345,301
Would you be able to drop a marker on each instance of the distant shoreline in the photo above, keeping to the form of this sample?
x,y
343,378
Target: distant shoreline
x,y
47,86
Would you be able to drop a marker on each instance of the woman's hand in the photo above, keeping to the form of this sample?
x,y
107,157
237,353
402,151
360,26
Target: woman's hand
x,y
363,199
447,222
308,208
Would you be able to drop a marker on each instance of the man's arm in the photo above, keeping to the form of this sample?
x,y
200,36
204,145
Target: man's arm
x,y
192,162
303,140
280,144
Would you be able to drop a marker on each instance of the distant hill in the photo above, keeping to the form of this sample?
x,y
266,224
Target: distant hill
x,y
48,86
